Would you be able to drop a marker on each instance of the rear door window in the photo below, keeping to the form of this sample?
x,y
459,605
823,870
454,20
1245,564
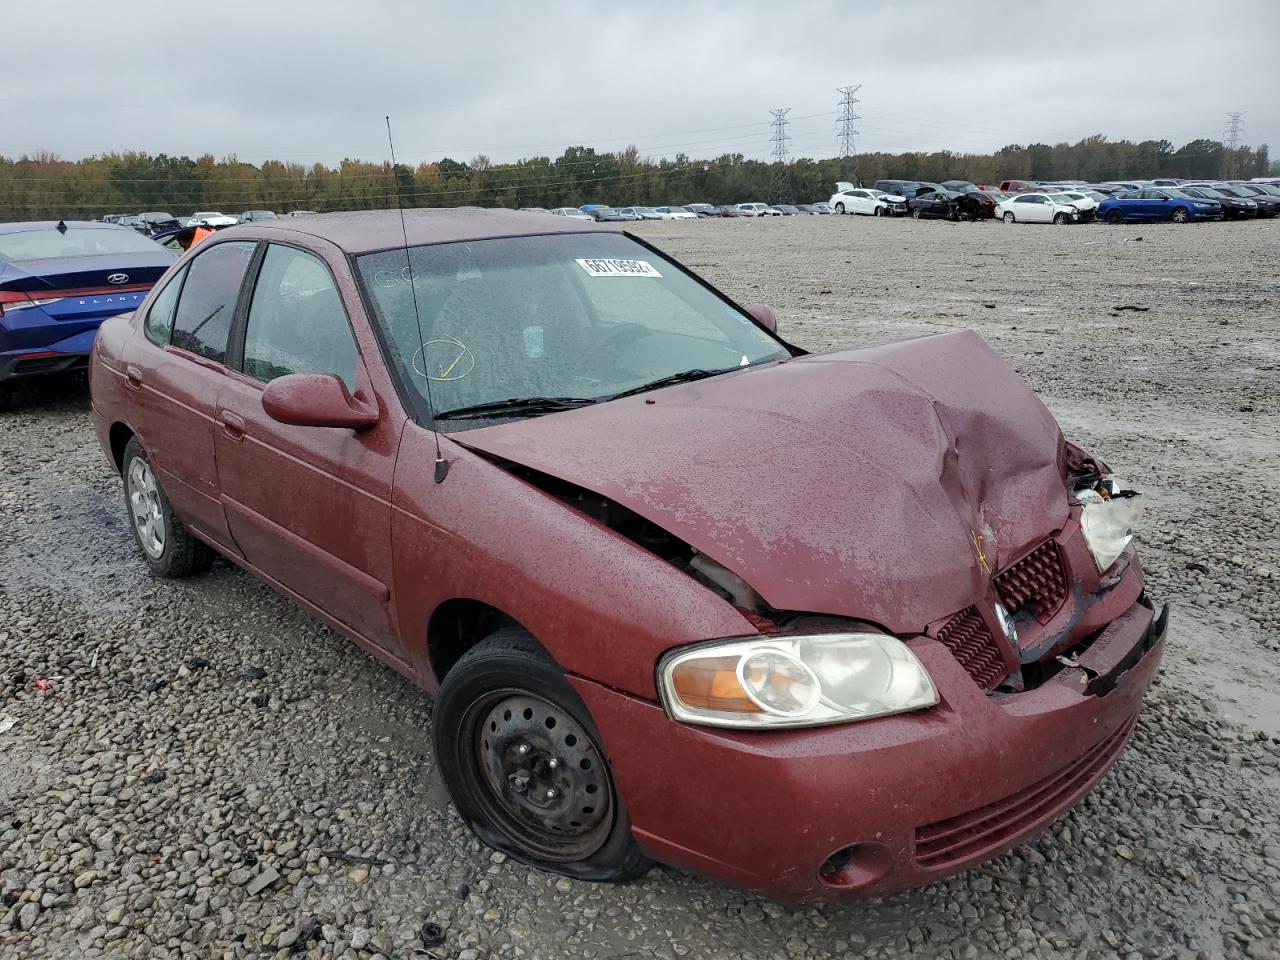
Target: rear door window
x,y
296,322
208,301
159,325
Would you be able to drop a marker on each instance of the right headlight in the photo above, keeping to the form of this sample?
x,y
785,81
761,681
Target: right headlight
x,y
793,681
1110,513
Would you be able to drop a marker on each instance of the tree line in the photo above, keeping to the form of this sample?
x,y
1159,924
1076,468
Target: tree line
x,y
45,186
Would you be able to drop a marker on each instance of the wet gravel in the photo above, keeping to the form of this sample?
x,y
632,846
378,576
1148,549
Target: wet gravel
x,y
211,773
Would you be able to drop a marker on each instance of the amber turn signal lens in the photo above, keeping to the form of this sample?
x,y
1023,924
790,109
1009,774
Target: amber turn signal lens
x,y
712,683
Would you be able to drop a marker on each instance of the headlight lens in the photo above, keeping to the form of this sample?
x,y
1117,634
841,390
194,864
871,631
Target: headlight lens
x,y
1109,516
794,681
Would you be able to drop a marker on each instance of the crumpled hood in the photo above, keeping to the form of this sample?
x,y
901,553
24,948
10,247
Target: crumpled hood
x,y
859,483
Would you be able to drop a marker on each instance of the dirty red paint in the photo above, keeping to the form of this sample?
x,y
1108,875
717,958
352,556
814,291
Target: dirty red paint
x,y
893,486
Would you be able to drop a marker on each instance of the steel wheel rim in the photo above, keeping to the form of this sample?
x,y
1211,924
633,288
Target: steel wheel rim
x,y
523,746
144,507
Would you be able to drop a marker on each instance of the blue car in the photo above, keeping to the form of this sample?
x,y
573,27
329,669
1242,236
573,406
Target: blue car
x,y
58,282
1152,204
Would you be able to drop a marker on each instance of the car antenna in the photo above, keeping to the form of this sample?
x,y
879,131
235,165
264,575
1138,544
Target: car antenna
x,y
442,465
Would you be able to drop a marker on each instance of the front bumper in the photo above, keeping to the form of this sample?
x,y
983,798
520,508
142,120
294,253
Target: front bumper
x,y
884,804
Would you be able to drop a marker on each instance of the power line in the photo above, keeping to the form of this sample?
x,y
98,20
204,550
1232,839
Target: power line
x,y
779,176
845,132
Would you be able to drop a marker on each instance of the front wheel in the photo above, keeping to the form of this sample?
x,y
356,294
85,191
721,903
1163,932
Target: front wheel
x,y
524,764
915,214
168,547
878,212
840,208
1061,219
1180,215
1114,217
1009,217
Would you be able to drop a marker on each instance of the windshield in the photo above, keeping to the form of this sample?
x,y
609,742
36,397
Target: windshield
x,y
1231,191
76,242
584,315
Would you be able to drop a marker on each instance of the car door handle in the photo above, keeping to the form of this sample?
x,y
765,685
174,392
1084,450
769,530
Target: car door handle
x,y
232,425
133,376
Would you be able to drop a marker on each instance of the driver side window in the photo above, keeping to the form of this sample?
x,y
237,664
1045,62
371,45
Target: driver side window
x,y
296,321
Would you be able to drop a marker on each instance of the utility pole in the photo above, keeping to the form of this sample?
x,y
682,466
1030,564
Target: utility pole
x,y
780,176
1233,135
845,132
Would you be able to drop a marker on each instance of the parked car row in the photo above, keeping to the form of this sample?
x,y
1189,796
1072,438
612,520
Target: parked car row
x,y
1022,201
689,211
153,222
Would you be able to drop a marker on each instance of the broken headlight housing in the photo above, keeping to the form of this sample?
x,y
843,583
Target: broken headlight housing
x,y
793,681
1110,513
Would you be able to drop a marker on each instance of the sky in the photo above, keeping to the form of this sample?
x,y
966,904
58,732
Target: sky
x,y
311,81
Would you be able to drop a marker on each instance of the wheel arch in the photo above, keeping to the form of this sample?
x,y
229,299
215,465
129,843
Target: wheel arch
x,y
118,437
458,624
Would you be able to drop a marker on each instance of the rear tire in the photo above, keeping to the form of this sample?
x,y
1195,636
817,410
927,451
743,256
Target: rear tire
x,y
524,764
1114,217
166,545
1009,217
1180,215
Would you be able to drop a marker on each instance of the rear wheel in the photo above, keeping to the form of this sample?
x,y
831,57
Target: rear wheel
x,y
524,764
1180,215
1114,216
1009,217
168,547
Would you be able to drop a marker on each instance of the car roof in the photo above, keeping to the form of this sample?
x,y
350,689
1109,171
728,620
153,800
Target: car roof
x,y
368,230
34,225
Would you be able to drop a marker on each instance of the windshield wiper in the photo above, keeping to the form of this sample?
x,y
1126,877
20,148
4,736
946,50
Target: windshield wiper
x,y
515,406
684,376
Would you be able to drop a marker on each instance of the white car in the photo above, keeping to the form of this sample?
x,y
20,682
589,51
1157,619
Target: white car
x,y
1037,208
211,218
675,213
871,203
1086,203
573,213
751,209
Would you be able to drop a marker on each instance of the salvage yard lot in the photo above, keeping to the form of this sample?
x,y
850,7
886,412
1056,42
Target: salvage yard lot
x,y
200,736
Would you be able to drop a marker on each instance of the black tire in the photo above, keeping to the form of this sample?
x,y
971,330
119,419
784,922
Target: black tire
x,y
180,554
840,208
915,214
1114,217
6,396
1009,217
472,749
1180,215
1061,219
878,212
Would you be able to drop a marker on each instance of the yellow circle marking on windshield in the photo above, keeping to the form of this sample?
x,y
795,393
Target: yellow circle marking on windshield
x,y
455,359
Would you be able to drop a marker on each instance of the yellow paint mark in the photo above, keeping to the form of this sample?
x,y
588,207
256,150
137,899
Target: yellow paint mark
x,y
982,557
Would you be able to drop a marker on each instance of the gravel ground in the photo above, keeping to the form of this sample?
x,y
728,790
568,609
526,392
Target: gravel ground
x,y
211,773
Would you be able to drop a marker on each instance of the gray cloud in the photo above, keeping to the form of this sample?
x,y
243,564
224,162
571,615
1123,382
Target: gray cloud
x,y
311,81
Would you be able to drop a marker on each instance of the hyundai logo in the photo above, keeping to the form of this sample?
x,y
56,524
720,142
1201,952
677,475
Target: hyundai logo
x,y
118,278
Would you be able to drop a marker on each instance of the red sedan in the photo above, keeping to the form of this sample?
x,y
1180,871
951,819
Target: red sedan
x,y
813,624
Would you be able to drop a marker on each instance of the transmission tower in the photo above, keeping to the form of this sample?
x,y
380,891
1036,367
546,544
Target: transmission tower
x,y
1233,135
845,131
780,176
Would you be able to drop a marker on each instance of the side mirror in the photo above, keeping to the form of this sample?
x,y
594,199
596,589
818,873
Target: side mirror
x,y
315,400
764,316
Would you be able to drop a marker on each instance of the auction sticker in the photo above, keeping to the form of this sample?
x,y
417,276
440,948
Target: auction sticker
x,y
618,268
